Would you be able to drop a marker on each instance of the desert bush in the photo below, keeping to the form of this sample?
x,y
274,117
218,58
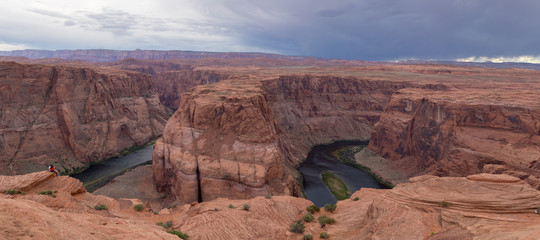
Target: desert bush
x,y
297,227
356,199
12,192
312,209
307,237
324,235
138,207
246,207
323,220
165,225
330,207
101,207
231,206
537,211
444,204
179,234
268,196
308,217
49,192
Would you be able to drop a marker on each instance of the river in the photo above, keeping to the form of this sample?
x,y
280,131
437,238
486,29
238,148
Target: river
x,y
321,160
99,174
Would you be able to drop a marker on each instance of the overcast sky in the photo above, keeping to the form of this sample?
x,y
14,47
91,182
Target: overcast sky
x,y
469,30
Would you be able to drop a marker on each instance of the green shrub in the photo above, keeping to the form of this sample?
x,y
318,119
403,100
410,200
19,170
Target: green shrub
x,y
179,234
268,196
246,207
324,235
323,220
101,207
330,207
356,199
231,206
49,192
12,192
312,209
445,204
537,211
297,227
156,212
172,205
216,209
307,237
138,207
166,225
308,217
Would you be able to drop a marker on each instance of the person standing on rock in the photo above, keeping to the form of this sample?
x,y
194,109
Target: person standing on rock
x,y
51,169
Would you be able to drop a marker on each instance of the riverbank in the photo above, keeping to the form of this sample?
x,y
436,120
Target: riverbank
x,y
376,166
122,153
321,160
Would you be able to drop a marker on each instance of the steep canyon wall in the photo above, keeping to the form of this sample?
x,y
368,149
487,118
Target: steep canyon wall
x,y
240,139
460,132
70,116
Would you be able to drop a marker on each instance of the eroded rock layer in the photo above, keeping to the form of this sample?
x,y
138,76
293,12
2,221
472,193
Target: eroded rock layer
x,y
460,132
70,116
312,110
222,142
241,138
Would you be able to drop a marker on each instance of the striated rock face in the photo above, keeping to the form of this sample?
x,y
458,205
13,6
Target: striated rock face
x,y
68,212
222,142
312,110
70,116
460,132
480,206
240,139
172,79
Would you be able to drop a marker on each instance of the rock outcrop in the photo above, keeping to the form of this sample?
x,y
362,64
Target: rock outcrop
x,y
71,116
222,142
482,206
460,132
67,212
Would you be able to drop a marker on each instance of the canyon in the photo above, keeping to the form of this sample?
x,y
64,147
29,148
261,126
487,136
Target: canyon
x,y
460,143
72,116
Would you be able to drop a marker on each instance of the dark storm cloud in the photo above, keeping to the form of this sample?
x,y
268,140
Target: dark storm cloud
x,y
388,29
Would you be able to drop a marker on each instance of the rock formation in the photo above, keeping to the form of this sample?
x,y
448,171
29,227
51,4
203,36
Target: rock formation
x,y
172,79
67,212
241,138
482,206
222,142
313,110
460,132
71,116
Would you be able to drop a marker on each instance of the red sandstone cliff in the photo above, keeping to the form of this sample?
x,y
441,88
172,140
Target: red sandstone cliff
x,y
461,132
312,110
172,79
70,116
222,142
240,138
